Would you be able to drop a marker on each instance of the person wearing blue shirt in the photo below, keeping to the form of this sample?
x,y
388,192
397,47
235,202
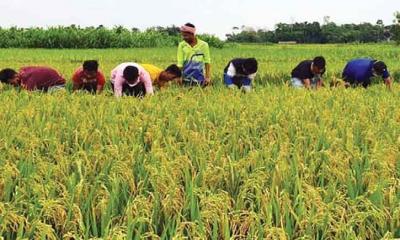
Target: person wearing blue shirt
x,y
359,72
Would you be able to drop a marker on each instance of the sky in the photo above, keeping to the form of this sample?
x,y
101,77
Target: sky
x,y
210,16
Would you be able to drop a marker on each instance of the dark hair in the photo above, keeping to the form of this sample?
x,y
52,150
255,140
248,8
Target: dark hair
x,y
379,67
319,62
91,65
174,69
131,73
190,25
7,74
250,65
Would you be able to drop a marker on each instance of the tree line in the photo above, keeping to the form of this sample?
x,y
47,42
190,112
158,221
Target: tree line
x,y
95,37
314,32
120,37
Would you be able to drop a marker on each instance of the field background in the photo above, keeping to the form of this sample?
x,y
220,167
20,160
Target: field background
x,y
276,62
277,163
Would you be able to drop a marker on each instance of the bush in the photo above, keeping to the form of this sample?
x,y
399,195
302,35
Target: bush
x,y
212,40
90,37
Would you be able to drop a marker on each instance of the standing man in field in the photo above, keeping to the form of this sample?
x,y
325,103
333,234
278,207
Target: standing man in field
x,y
240,73
308,74
359,72
89,78
194,58
161,78
132,80
33,78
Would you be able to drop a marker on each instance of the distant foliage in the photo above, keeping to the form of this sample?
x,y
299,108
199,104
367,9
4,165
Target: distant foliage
x,y
91,37
212,40
396,28
314,32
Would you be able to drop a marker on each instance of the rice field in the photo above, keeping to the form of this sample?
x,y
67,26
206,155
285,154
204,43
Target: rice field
x,y
206,163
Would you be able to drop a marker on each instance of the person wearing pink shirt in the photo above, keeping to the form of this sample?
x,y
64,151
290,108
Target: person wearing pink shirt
x,y
131,79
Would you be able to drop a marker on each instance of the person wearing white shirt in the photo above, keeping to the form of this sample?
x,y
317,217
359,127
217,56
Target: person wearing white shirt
x,y
240,73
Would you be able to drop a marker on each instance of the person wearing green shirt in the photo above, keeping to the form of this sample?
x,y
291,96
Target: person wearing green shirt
x,y
194,58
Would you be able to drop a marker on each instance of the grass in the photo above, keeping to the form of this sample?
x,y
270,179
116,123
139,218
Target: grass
x,y
202,164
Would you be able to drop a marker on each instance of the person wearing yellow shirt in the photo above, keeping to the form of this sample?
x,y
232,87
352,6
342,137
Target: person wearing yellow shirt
x,y
194,58
160,77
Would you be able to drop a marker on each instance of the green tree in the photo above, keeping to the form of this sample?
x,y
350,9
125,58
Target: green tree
x,y
396,28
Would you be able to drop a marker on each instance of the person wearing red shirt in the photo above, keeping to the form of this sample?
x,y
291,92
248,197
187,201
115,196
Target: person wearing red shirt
x,y
89,78
33,78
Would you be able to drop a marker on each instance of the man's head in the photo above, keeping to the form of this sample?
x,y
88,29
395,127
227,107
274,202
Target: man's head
x,y
379,68
90,69
318,65
131,75
172,72
250,66
188,32
9,76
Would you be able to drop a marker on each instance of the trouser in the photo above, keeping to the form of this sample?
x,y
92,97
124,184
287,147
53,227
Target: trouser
x,y
54,88
240,82
298,83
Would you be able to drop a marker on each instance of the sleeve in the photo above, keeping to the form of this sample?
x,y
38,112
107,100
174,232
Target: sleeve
x,y
26,79
117,83
113,74
101,80
118,88
28,83
75,77
231,70
386,74
323,72
207,56
146,79
180,56
295,72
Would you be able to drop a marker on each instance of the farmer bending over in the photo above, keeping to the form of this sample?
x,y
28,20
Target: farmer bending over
x,y
359,72
131,79
89,78
33,78
161,78
240,73
309,73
